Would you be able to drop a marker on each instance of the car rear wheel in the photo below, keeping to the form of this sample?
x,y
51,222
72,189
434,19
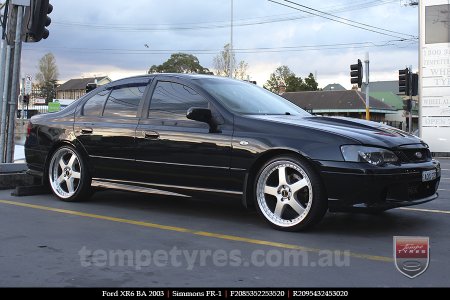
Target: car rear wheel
x,y
289,194
68,176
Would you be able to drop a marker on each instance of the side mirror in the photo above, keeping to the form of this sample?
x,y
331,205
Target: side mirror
x,y
199,114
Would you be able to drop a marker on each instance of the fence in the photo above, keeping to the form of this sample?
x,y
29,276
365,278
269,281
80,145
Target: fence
x,y
36,105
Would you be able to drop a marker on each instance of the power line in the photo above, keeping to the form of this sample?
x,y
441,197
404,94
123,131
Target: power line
x,y
210,25
342,22
334,16
238,50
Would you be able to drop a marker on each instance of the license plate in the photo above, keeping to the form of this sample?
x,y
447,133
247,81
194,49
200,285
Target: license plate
x,y
429,175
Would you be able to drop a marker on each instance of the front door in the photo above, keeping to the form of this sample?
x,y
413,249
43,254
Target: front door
x,y
174,151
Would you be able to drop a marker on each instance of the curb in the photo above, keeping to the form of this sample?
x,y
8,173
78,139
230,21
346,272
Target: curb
x,y
12,180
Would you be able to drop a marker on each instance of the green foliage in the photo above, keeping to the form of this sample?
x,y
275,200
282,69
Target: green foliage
x,y
180,63
222,64
284,75
47,77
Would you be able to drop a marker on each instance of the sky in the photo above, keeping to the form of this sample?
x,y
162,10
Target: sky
x,y
125,38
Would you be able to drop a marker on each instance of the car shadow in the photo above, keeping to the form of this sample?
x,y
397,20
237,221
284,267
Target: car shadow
x,y
223,210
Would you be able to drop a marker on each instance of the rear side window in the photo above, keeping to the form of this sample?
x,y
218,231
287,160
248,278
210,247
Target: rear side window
x,y
94,106
172,100
124,101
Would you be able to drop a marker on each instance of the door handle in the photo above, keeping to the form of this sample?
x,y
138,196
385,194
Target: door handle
x,y
87,131
151,135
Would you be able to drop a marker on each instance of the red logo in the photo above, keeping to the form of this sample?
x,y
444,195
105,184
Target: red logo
x,y
411,255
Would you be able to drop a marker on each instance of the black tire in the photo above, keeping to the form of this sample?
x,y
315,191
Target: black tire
x,y
297,203
68,175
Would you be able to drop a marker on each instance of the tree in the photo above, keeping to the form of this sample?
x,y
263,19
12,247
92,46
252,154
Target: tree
x,y
310,83
47,76
222,64
180,63
284,75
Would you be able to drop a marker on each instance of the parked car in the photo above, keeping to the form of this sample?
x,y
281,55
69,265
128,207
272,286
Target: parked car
x,y
183,134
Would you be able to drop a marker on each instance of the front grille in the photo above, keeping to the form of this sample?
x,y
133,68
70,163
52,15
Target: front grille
x,y
411,191
414,155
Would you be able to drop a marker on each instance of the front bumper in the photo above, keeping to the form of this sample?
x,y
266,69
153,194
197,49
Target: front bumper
x,y
363,186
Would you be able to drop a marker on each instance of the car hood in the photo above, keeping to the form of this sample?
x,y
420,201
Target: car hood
x,y
362,131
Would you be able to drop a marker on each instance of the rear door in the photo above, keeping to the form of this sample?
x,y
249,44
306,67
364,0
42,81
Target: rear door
x,y
106,126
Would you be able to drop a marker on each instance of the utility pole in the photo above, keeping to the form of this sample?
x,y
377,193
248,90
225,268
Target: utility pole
x,y
367,62
410,77
231,62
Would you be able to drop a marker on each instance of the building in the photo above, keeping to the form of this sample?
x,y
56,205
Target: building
x,y
76,88
399,118
382,86
334,87
389,91
340,103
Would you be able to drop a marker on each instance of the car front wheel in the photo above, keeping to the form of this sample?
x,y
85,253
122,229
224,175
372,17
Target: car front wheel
x,y
289,194
68,176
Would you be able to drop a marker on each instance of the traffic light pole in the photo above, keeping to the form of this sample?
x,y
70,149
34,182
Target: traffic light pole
x,y
6,89
22,92
367,62
410,75
15,84
2,71
4,102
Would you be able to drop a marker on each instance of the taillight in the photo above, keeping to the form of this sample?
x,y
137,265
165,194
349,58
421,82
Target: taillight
x,y
30,126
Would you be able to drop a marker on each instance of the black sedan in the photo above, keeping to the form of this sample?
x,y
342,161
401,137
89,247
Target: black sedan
x,y
180,135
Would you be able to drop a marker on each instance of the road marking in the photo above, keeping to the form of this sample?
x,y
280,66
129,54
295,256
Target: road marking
x,y
440,190
192,231
436,211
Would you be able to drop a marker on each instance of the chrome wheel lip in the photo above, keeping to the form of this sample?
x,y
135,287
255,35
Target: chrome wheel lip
x,y
60,171
261,194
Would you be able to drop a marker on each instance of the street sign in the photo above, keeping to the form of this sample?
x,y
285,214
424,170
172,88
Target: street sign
x,y
28,84
54,107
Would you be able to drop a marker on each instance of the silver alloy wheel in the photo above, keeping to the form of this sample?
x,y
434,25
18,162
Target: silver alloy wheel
x,y
65,173
284,193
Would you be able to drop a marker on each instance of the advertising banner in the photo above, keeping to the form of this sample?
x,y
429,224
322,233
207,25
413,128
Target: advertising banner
x,y
435,74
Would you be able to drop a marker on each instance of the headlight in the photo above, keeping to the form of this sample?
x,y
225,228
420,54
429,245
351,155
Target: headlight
x,y
374,156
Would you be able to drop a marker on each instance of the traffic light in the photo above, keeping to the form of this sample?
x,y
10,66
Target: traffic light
x,y
38,20
357,73
407,105
26,99
415,84
404,81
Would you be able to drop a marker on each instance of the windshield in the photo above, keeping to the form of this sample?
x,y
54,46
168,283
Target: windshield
x,y
249,99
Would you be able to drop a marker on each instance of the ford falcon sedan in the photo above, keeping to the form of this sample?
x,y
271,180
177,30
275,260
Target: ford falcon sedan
x,y
180,135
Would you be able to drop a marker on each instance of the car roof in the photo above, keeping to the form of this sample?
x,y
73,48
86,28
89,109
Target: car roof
x,y
179,75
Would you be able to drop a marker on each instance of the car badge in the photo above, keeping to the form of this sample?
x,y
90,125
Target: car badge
x,y
411,255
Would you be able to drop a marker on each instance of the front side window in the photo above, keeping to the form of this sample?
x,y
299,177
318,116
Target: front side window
x,y
94,106
124,101
172,100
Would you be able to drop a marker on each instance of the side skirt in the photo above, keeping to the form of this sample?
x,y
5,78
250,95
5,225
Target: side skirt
x,y
150,188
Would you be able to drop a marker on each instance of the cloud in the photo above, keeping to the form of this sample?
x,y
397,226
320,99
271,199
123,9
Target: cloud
x,y
108,37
